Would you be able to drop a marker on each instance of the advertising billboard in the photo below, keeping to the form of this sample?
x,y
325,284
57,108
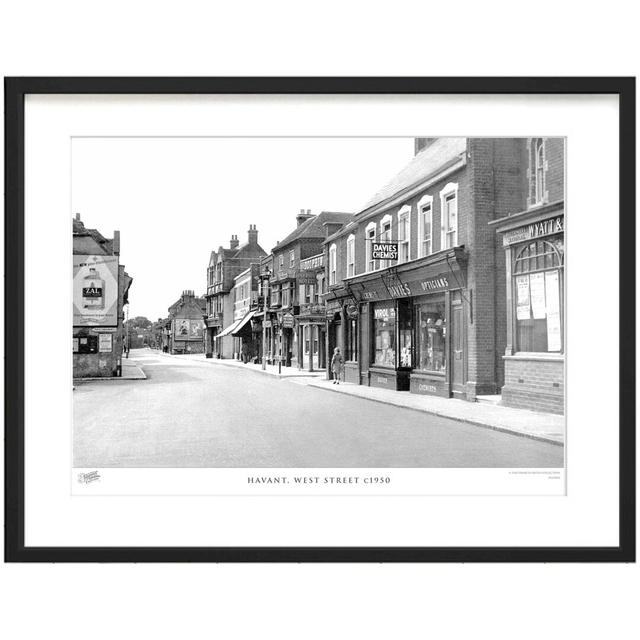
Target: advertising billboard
x,y
186,329
95,291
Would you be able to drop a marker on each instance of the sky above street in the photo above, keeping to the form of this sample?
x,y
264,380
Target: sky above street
x,y
175,200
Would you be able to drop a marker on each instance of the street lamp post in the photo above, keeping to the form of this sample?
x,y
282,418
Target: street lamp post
x,y
264,320
265,288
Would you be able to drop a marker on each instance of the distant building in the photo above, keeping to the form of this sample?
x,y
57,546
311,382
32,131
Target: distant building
x,y
224,266
186,324
100,291
296,326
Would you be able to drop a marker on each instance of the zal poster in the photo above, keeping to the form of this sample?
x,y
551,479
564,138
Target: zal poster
x,y
95,291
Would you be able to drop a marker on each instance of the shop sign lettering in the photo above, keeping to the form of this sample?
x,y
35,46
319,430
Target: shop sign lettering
x,y
427,387
384,313
435,283
399,290
381,380
384,251
535,230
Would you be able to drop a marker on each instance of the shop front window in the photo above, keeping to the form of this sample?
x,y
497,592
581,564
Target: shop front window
x,y
431,335
384,331
538,296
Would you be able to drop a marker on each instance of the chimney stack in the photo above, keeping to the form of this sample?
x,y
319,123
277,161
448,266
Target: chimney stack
x,y
78,217
116,243
303,216
252,234
233,244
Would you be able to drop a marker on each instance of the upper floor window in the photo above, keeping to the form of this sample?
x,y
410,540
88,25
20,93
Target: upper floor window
x,y
370,236
351,256
537,172
404,233
385,236
332,264
449,216
292,258
281,261
425,226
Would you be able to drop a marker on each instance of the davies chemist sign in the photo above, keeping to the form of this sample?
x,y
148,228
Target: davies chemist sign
x,y
384,251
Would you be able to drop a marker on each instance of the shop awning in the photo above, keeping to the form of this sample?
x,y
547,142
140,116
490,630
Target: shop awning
x,y
242,323
229,329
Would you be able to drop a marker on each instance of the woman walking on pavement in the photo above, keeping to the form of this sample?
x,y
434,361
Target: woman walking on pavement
x,y
337,363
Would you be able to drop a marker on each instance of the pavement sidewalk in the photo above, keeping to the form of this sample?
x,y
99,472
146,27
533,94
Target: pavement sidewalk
x,y
270,369
130,371
539,426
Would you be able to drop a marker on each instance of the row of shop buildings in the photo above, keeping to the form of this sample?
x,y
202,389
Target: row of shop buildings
x,y
450,281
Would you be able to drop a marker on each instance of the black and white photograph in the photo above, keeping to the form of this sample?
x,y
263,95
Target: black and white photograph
x,y
318,302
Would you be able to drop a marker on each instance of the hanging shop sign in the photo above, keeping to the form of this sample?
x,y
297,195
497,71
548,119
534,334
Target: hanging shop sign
x,y
95,290
352,310
287,321
534,230
384,251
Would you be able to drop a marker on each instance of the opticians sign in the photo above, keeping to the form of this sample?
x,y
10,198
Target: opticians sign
x,y
384,251
95,291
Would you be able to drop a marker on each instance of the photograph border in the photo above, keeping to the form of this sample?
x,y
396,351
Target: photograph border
x,y
15,91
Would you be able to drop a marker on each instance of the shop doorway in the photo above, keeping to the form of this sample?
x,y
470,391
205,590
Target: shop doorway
x,y
457,348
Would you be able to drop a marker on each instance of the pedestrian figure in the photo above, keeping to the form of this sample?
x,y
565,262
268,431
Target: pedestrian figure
x,y
245,352
337,365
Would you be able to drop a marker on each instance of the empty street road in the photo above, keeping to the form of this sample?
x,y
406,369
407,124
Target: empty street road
x,y
204,414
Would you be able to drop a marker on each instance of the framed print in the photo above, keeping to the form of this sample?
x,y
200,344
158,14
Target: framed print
x,y
320,319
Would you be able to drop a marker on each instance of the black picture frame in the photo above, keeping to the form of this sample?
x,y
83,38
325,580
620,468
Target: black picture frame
x,y
15,91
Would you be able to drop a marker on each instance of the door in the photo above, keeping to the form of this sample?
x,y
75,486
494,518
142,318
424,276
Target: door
x,y
457,348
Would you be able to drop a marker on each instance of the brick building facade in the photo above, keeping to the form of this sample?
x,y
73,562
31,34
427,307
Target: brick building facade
x,y
433,320
532,238
224,265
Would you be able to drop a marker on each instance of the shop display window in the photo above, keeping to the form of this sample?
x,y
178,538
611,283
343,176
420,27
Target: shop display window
x,y
431,335
538,296
384,331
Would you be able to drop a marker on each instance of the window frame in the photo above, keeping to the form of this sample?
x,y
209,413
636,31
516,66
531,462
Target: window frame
x,y
370,264
404,213
387,219
351,255
333,264
423,203
449,191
